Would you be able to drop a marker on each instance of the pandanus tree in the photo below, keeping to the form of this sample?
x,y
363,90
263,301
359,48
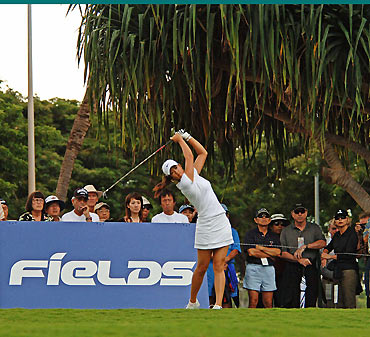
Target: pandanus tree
x,y
232,75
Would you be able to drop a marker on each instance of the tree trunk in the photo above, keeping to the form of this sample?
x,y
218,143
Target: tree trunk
x,y
337,174
79,129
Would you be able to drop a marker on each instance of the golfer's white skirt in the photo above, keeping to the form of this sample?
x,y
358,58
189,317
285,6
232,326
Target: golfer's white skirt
x,y
213,232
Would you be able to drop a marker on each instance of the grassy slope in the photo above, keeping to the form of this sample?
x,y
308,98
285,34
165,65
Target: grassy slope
x,y
176,323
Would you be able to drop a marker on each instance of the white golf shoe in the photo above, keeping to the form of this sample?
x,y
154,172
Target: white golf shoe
x,y
217,307
192,305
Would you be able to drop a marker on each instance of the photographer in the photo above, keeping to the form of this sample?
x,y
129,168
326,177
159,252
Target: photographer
x,y
345,240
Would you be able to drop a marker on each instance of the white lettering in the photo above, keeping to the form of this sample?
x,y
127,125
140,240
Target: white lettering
x,y
18,270
79,273
180,269
176,273
54,269
104,278
155,273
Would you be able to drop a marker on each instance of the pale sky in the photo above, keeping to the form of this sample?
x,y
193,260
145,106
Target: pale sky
x,y
55,68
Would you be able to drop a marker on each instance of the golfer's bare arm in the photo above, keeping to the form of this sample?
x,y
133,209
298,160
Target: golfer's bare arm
x,y
201,154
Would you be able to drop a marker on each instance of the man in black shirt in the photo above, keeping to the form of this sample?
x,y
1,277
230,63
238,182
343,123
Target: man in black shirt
x,y
260,272
345,240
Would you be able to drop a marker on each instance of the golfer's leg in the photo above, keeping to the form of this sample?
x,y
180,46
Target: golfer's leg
x,y
219,256
204,256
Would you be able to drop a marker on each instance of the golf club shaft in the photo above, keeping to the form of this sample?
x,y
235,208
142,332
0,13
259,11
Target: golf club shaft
x,y
138,165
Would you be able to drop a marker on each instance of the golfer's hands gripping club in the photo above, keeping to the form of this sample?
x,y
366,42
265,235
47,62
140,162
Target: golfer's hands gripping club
x,y
185,135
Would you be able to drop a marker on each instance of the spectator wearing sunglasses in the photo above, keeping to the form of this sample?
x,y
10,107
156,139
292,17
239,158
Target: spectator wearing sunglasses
x,y
261,245
301,242
147,206
277,224
345,240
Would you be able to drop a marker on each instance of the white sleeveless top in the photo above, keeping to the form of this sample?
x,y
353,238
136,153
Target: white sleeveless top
x,y
213,229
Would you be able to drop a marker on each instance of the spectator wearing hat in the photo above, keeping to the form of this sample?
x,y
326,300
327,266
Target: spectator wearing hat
x,y
188,211
94,196
35,208
278,222
80,212
231,285
54,206
103,211
260,272
169,215
5,209
345,240
147,206
301,242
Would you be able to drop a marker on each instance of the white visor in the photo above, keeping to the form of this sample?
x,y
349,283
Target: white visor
x,y
166,167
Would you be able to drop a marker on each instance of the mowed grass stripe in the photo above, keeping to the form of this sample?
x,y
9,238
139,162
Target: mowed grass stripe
x,y
178,323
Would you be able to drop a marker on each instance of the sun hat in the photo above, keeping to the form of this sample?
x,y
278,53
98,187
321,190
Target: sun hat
x,y
146,203
279,217
52,198
100,205
91,188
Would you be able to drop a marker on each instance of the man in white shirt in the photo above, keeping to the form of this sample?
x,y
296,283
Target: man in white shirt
x,y
80,212
168,202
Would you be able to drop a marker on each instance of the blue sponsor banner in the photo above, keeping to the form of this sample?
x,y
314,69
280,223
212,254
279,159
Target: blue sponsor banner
x,y
97,265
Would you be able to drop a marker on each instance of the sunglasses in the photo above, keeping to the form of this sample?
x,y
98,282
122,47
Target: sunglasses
x,y
300,211
337,217
263,215
147,207
279,223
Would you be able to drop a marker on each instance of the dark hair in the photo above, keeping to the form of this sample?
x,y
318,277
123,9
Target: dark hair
x,y
164,193
129,197
364,215
36,194
166,180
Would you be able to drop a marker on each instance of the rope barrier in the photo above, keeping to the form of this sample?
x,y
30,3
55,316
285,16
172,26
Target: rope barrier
x,y
296,247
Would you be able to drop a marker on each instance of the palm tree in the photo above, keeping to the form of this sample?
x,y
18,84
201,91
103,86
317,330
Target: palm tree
x,y
234,73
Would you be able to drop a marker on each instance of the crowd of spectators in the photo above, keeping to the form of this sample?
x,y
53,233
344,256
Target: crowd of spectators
x,y
288,264
303,259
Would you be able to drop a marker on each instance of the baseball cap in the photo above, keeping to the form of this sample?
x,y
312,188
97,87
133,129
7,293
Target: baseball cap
x,y
262,211
279,217
91,188
341,212
81,193
53,198
299,206
184,207
146,203
166,167
100,205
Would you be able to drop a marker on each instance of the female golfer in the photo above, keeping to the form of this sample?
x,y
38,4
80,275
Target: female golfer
x,y
213,231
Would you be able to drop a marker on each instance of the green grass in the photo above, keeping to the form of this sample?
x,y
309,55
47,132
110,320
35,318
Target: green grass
x,y
177,323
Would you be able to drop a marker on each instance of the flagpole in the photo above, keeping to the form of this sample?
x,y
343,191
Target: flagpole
x,y
31,123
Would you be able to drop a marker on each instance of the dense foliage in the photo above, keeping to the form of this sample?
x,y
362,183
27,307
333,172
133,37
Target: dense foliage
x,y
255,184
